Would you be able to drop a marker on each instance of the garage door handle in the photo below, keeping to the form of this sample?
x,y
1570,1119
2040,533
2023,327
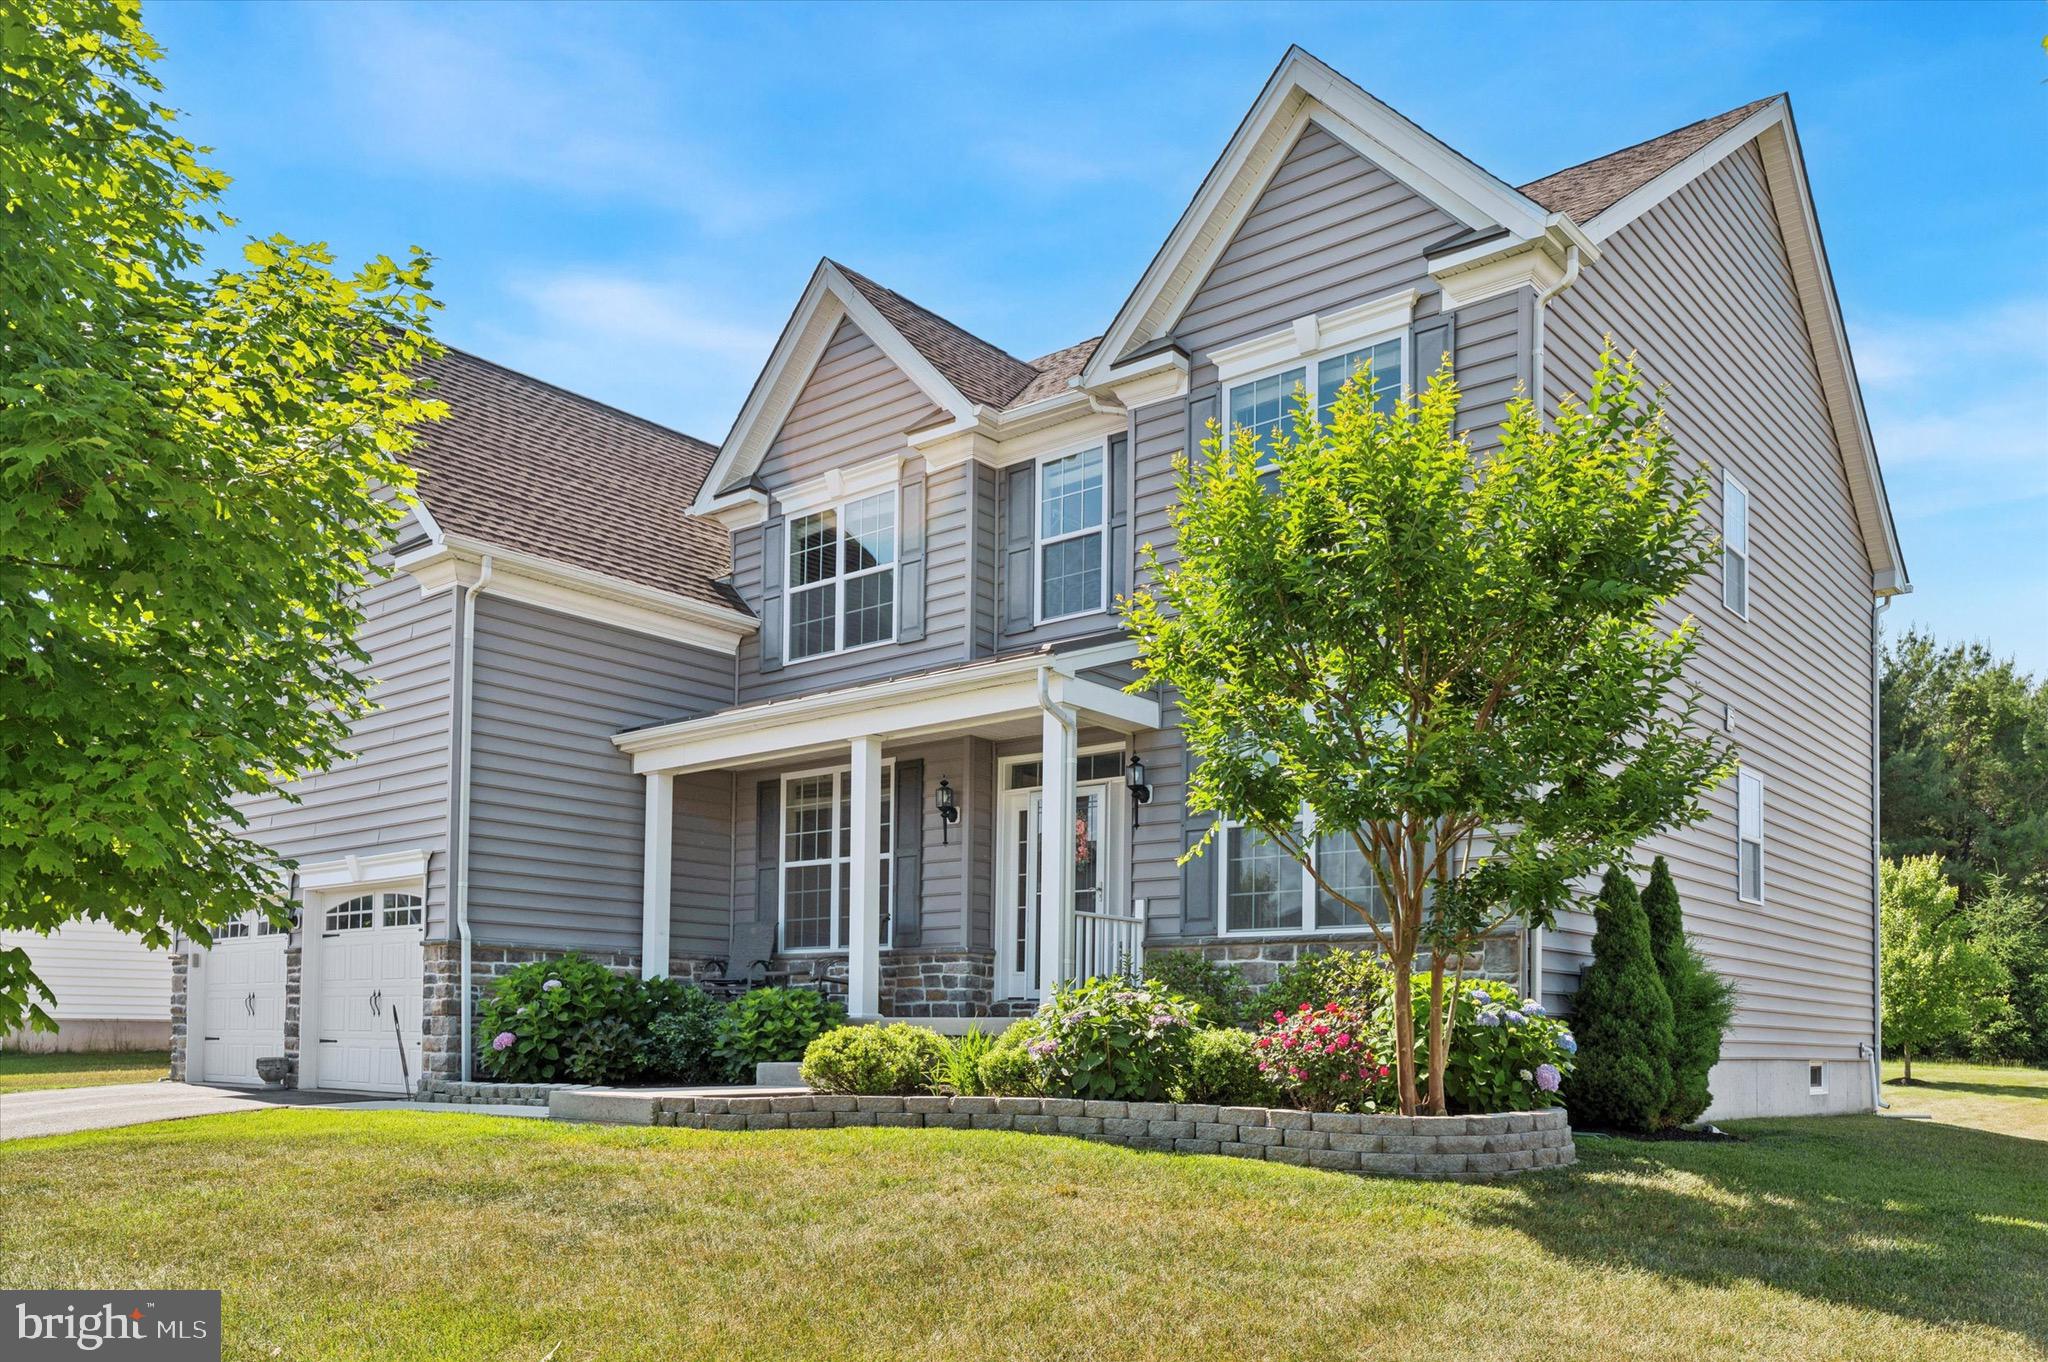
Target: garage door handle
x,y
375,999
250,1003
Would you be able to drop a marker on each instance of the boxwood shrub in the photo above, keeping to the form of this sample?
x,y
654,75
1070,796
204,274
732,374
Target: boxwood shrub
x,y
897,1059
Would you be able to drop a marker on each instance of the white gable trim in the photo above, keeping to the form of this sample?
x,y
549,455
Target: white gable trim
x,y
829,298
1301,90
1777,139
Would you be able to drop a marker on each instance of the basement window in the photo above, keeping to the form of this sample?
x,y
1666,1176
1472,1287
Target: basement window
x,y
1817,1079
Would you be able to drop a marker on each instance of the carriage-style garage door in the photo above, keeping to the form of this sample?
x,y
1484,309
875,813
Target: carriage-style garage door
x,y
368,1017
241,1001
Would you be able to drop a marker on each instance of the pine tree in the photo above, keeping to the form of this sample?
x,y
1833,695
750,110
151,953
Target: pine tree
x,y
1702,1003
1622,1019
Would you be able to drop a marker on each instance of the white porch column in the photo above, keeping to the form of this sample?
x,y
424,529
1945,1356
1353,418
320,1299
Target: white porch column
x,y
864,941
657,856
1056,847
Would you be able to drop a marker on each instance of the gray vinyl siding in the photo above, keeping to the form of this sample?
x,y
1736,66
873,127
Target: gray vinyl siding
x,y
392,794
857,406
1330,230
701,868
557,816
1701,288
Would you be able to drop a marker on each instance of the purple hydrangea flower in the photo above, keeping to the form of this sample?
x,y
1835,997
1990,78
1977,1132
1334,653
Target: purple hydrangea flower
x,y
504,1041
1487,1019
1516,1018
1043,1047
1546,1078
1567,1044
1532,1007
551,985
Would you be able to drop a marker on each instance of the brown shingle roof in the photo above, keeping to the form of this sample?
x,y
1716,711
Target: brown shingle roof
x,y
1056,371
984,374
528,466
1583,191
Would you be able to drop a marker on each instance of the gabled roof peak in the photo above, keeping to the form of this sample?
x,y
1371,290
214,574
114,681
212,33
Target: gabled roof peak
x,y
1583,191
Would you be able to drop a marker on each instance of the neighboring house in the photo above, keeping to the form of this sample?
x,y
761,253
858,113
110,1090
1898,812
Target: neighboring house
x,y
796,708
108,991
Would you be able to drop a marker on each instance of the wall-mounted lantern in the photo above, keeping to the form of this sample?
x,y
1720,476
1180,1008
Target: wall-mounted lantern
x,y
1134,780
948,806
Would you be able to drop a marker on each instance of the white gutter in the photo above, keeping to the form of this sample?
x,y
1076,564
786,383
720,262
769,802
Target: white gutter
x,y
461,905
1536,349
1877,1102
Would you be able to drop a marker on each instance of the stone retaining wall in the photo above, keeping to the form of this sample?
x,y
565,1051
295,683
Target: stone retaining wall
x,y
1455,1147
433,1089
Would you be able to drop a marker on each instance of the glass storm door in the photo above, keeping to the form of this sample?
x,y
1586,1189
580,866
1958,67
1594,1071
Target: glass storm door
x,y
1023,826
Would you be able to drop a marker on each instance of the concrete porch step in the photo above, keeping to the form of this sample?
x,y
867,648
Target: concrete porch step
x,y
636,1106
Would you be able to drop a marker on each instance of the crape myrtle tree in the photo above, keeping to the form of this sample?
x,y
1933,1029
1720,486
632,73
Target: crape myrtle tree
x,y
1453,658
197,468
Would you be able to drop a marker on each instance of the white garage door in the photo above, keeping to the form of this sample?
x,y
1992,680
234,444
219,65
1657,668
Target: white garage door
x,y
369,993
241,992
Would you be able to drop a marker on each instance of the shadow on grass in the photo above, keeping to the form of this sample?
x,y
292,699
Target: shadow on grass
x,y
2036,1092
1931,1223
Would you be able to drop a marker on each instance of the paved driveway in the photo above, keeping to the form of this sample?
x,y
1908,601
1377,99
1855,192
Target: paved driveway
x,y
59,1111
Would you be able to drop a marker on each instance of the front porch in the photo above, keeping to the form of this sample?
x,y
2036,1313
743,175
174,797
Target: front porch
x,y
899,849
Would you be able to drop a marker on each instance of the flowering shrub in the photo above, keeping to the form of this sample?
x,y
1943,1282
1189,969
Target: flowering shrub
x,y
532,1019
1113,1040
1327,1058
1507,1054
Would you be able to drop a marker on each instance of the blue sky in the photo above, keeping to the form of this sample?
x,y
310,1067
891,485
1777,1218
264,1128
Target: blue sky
x,y
627,199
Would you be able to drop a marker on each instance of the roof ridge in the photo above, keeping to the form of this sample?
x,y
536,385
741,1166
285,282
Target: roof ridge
x,y
1741,109
1017,382
602,405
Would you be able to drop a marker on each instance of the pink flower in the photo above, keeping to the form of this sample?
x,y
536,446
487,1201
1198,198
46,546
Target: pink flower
x,y
1320,1029
1383,1071
504,1040
1307,1007
1265,1042
1343,1040
1278,1015
1287,1042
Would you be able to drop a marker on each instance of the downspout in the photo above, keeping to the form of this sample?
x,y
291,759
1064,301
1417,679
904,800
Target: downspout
x,y
1536,374
463,744
1877,1102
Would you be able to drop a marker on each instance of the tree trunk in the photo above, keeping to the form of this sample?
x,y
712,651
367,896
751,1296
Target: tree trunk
x,y
1439,1041
1907,1050
1404,1040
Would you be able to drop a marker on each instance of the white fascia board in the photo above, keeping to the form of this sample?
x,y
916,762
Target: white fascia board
x,y
900,710
736,510
1301,90
391,867
1314,334
829,297
577,591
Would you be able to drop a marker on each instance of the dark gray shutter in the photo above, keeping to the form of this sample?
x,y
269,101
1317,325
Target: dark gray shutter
x,y
1198,876
1119,546
1204,405
773,561
1020,510
906,872
768,850
910,573
1433,338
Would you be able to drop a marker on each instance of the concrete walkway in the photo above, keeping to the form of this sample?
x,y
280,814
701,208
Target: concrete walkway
x,y
60,1111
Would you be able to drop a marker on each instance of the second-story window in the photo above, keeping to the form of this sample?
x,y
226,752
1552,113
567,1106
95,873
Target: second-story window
x,y
1734,545
1266,406
842,577
1072,506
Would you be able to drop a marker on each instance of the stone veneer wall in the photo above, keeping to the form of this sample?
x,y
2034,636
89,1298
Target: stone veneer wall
x,y
456,1093
937,983
1454,1147
180,1014
1260,958
441,1007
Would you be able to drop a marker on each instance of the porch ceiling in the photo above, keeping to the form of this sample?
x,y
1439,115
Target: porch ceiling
x,y
997,698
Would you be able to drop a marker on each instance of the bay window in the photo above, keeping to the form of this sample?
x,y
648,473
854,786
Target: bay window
x,y
842,577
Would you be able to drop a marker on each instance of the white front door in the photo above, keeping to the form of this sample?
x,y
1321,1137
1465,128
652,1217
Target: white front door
x,y
1093,880
240,989
368,1003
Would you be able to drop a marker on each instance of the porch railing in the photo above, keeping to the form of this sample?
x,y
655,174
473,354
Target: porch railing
x,y
1107,944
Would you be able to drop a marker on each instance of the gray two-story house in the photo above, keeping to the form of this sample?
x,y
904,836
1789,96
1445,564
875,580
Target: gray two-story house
x,y
842,700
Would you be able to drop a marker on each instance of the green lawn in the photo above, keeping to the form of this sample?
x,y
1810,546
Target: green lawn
x,y
26,1073
2010,1101
411,1235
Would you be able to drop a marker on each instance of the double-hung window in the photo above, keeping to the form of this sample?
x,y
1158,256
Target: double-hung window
x,y
817,859
1334,371
842,577
1749,837
1265,406
1073,504
1734,545
1266,890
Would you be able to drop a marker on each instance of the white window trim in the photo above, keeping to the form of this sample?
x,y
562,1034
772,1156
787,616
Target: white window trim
x,y
1729,480
1744,779
1306,361
1819,1089
1310,890
841,577
838,773
1039,542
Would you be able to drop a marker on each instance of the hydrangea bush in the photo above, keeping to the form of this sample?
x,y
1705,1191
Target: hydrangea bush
x,y
1327,1058
533,1017
1112,1040
1507,1054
